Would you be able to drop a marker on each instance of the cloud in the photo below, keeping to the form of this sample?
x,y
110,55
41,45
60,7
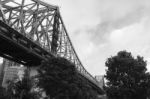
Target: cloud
x,y
117,16
133,36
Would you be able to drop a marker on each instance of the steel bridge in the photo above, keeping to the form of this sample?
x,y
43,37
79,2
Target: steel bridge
x,y
32,31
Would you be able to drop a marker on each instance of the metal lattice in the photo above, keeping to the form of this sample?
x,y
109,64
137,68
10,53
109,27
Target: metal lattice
x,y
43,24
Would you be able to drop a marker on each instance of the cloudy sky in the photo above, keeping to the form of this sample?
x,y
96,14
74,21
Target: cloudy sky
x,y
101,28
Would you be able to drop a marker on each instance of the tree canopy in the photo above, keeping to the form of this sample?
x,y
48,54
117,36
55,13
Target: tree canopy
x,y
60,80
127,77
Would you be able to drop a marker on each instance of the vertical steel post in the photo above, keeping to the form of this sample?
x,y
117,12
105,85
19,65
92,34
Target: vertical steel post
x,y
55,34
2,17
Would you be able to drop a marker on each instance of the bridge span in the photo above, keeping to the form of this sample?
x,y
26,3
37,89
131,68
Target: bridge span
x,y
32,31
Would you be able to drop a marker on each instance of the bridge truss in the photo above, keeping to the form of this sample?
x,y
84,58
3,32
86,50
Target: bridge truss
x,y
42,23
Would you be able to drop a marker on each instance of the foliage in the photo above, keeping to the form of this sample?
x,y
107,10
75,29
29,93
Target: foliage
x,y
60,80
3,93
127,77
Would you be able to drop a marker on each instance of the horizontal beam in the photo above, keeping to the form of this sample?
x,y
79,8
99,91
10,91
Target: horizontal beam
x,y
46,4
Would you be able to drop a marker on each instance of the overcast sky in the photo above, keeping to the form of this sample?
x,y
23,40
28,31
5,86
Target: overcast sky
x,y
101,28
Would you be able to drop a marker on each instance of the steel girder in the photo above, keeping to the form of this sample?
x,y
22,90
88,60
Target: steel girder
x,y
43,24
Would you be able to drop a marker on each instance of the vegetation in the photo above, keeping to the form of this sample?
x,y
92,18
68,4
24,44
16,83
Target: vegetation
x,y
60,80
57,78
127,77
3,93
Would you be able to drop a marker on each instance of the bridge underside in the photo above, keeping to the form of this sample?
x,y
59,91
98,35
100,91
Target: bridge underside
x,y
16,47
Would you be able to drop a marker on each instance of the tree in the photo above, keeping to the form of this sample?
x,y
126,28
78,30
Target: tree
x,y
55,77
127,77
60,80
3,93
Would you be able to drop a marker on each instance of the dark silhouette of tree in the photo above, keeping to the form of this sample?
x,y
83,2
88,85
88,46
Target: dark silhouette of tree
x,y
60,80
3,94
56,76
127,77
